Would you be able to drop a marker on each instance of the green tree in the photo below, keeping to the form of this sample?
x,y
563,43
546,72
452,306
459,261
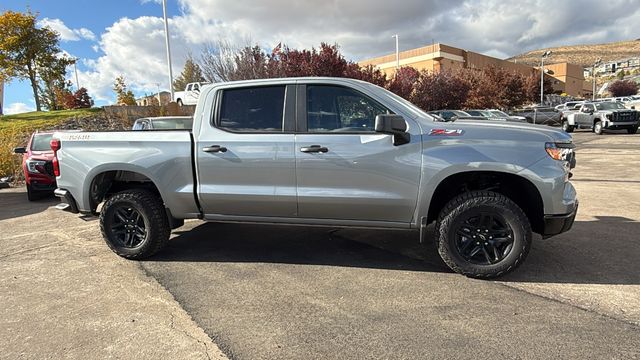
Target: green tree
x,y
25,49
621,74
53,82
124,95
190,73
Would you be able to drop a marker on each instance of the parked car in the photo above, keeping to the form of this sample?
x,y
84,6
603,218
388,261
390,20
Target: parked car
x,y
163,123
190,94
539,115
450,115
351,154
569,105
503,114
37,165
494,115
603,116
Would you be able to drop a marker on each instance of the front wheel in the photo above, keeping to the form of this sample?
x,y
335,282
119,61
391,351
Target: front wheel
x,y
32,195
597,128
632,130
134,224
483,234
179,102
566,127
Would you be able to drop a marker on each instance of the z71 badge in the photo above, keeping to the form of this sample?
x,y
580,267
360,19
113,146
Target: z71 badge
x,y
446,132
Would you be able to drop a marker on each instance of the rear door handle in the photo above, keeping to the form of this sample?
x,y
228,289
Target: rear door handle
x,y
314,149
214,149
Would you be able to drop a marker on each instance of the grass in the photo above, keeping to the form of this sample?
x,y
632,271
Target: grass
x,y
15,131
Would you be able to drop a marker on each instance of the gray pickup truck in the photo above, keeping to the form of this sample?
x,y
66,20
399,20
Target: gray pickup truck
x,y
325,152
601,116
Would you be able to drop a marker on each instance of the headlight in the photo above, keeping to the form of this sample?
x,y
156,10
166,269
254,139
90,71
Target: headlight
x,y
32,164
560,151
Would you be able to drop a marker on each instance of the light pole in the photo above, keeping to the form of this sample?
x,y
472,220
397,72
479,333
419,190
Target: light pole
x,y
166,34
75,69
397,52
544,56
593,77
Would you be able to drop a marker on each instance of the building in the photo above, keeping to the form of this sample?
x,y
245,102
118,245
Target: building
x,y
617,65
149,100
566,78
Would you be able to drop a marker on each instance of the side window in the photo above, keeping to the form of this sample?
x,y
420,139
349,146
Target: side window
x,y
189,87
196,87
340,109
256,109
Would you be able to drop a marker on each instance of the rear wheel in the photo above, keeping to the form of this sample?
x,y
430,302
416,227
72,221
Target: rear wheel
x,y
134,224
566,127
483,234
597,128
632,130
179,102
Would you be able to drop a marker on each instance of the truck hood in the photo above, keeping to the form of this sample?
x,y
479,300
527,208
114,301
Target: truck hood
x,y
500,127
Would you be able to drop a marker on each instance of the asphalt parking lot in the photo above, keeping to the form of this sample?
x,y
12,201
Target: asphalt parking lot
x,y
257,292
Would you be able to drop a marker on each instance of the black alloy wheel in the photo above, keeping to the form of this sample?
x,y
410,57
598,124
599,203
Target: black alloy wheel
x,y
483,238
127,226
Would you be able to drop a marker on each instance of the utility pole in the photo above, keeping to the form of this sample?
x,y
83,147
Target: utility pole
x,y
593,77
75,69
544,56
397,52
166,34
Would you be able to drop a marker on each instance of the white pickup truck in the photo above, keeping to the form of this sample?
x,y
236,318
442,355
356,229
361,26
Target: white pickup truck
x,y
190,94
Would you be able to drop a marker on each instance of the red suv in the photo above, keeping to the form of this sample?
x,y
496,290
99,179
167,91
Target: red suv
x,y
37,165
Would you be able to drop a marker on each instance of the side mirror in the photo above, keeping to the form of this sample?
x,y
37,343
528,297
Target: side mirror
x,y
19,150
633,107
453,118
395,125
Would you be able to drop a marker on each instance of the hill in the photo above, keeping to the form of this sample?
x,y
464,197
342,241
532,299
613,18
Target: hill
x,y
584,55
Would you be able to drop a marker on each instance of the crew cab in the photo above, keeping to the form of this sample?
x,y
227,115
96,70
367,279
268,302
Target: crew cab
x,y
601,116
325,152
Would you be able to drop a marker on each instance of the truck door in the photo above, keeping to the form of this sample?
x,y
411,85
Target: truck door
x,y
585,115
345,170
245,155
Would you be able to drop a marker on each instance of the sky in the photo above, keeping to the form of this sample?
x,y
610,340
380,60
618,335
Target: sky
x,y
126,37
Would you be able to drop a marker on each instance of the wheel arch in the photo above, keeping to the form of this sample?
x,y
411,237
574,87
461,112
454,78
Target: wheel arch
x,y
109,181
517,188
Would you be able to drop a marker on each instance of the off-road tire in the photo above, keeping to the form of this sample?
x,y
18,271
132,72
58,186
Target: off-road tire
x,y
32,195
597,128
491,202
151,209
632,130
566,127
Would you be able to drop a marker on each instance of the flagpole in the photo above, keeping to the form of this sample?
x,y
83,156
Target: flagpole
x,y
166,33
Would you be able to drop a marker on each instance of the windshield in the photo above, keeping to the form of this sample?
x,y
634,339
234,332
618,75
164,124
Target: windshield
x,y
609,106
41,142
172,123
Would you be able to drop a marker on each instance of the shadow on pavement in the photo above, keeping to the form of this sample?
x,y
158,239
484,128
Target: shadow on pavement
x,y
605,251
15,204
211,242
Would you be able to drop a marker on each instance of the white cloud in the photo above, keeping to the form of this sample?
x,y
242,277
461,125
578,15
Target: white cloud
x,y
363,28
67,34
134,48
17,108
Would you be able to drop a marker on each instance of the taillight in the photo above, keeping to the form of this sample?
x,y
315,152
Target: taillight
x,y
55,146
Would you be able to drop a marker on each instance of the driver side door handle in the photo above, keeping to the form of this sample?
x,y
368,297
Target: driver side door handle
x,y
314,149
214,149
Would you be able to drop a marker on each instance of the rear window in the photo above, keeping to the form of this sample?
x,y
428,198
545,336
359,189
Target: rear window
x,y
255,109
41,142
173,124
546,110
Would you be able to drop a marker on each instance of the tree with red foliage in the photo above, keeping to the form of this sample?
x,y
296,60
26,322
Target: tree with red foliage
x,y
445,89
78,100
623,88
532,87
403,81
